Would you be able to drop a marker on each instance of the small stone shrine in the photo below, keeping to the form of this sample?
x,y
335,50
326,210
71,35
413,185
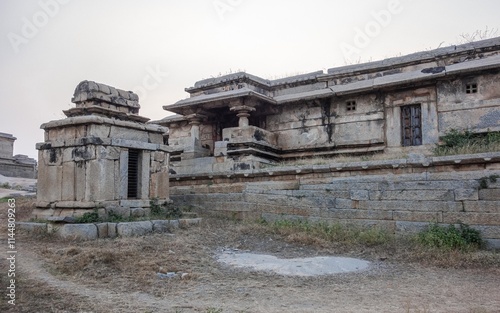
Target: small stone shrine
x,y
102,156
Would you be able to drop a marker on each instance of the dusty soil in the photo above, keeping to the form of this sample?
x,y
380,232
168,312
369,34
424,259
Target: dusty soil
x,y
120,275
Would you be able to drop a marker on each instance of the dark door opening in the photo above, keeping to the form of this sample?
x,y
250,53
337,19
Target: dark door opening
x,y
133,174
411,125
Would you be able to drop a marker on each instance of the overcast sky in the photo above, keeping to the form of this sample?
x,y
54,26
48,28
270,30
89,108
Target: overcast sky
x,y
158,47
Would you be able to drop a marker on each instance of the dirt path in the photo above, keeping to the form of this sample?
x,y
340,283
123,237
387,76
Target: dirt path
x,y
388,288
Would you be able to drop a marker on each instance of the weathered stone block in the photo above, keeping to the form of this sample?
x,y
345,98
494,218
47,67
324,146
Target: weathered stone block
x,y
357,214
159,156
129,134
99,130
472,218
99,180
145,175
78,231
102,230
156,138
360,195
403,228
161,226
163,185
441,195
49,183
122,211
466,194
492,232
482,206
82,153
431,217
431,206
133,229
493,244
137,212
112,230
68,182
108,152
489,194
344,204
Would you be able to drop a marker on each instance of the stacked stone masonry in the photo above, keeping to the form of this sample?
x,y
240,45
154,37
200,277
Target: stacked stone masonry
x,y
394,106
14,165
402,196
102,156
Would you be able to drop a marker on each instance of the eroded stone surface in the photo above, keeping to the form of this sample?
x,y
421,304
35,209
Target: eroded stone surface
x,y
316,266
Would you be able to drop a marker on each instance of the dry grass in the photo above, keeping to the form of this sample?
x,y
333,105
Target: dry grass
x,y
127,265
375,243
472,148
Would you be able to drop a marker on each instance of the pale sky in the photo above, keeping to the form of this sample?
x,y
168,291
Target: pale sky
x,y
159,47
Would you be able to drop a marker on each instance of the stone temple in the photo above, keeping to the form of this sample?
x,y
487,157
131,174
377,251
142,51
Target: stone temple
x,y
103,155
18,165
247,147
394,106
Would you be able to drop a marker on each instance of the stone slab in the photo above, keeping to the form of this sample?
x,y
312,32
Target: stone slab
x,y
102,230
134,229
77,231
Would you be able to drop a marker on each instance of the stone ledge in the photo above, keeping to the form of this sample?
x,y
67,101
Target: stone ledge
x,y
107,230
480,158
92,119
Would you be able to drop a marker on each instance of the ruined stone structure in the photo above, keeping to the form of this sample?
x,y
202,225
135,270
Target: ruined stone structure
x,y
103,155
18,165
230,136
394,106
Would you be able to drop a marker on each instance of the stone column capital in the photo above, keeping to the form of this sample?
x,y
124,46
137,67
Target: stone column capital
x,y
195,118
242,108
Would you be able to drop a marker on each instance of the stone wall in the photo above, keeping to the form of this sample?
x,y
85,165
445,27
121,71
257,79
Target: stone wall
x,y
102,156
14,165
401,195
6,146
18,170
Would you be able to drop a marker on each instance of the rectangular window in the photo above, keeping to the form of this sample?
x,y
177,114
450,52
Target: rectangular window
x,y
350,106
411,125
133,174
471,88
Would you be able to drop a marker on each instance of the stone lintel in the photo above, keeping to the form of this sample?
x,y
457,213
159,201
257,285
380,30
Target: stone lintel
x,y
92,119
125,143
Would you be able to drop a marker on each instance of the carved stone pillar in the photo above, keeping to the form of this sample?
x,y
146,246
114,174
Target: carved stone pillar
x,y
243,112
194,148
195,121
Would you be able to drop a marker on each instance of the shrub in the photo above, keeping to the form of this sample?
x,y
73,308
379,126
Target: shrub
x,y
465,142
164,210
89,217
462,237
